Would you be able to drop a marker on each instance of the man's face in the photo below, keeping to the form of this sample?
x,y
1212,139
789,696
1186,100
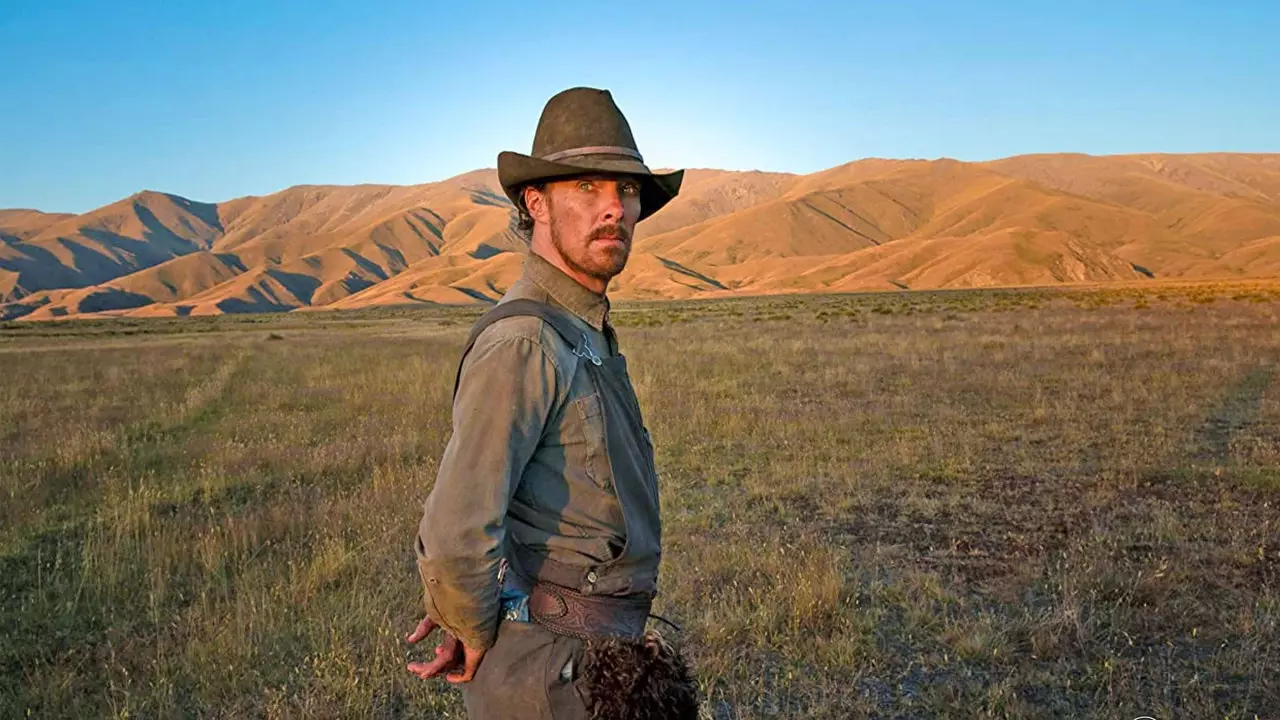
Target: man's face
x,y
592,219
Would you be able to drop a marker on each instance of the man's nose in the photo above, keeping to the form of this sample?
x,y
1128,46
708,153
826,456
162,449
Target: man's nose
x,y
612,211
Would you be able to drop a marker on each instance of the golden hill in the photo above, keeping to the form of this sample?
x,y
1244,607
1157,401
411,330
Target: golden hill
x,y
17,225
871,224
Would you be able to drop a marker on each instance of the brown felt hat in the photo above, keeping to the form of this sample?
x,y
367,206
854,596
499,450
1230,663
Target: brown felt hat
x,y
582,131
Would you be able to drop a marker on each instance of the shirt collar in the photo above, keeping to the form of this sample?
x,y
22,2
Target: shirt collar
x,y
566,291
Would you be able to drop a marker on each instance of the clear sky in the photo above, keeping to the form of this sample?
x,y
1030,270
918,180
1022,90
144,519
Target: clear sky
x,y
221,98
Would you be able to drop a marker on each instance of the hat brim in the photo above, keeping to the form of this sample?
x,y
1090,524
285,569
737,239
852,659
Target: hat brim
x,y
656,189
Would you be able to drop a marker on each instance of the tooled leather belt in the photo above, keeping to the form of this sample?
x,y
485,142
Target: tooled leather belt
x,y
588,616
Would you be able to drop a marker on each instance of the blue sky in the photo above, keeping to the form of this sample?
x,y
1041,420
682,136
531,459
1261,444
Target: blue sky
x,y
214,100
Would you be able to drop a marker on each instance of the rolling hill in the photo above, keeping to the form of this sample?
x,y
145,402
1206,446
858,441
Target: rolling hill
x,y
870,224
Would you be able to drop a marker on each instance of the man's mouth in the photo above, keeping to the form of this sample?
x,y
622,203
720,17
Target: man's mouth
x,y
620,240
611,233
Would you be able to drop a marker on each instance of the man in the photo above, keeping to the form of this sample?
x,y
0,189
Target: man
x,y
539,545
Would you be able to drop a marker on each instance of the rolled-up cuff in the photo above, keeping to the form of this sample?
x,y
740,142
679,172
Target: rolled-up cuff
x,y
440,603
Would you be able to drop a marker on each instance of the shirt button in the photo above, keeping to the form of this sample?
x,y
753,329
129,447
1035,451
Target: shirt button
x,y
591,577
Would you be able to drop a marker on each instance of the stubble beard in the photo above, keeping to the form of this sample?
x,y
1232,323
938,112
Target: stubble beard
x,y
606,269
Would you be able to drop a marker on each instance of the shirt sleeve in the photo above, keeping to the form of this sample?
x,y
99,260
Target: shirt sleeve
x,y
506,392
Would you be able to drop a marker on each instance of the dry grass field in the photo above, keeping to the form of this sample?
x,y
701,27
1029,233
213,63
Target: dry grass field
x,y
1032,503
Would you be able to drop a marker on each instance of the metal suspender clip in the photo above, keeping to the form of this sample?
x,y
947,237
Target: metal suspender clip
x,y
584,350
512,601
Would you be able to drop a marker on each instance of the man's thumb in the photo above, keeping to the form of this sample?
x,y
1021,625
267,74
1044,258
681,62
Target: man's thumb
x,y
471,663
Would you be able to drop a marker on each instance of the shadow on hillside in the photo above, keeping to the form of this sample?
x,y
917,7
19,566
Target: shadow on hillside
x,y
485,196
301,287
128,255
366,264
484,251
39,269
232,261
476,294
674,266
155,231
113,299
15,310
1140,269
257,303
395,258
207,212
353,283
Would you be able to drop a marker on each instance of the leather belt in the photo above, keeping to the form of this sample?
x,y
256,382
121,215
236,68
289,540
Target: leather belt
x,y
566,612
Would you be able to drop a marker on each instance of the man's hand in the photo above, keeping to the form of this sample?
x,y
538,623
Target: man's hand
x,y
451,655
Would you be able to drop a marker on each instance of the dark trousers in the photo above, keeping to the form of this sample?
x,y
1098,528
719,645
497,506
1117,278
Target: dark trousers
x,y
522,677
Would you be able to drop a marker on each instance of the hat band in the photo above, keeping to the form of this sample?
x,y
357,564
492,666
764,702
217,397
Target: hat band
x,y
593,150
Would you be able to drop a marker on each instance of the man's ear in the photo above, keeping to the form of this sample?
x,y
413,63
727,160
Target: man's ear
x,y
535,201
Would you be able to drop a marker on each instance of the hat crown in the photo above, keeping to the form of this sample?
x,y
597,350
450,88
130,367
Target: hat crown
x,y
581,117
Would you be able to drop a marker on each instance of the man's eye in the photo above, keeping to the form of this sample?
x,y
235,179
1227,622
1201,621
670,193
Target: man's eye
x,y
631,189
586,185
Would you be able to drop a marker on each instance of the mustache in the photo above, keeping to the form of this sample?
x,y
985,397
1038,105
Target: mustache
x,y
610,231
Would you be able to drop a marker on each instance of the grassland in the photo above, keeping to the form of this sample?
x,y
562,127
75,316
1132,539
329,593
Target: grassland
x,y
1057,503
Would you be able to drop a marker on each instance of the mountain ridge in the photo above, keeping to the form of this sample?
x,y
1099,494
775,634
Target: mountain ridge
x,y
869,224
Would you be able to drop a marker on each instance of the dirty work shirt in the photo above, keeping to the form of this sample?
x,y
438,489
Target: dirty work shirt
x,y
526,461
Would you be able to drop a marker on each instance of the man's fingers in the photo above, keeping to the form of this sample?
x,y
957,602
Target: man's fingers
x,y
426,671
424,629
471,663
448,656
452,657
431,669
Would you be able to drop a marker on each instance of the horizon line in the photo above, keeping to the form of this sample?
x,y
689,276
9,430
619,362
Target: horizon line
x,y
711,169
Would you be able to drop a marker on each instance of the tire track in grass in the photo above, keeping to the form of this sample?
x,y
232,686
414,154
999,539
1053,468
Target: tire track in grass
x,y
1237,411
45,618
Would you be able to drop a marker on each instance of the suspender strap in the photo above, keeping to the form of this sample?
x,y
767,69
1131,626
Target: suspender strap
x,y
555,317
533,568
